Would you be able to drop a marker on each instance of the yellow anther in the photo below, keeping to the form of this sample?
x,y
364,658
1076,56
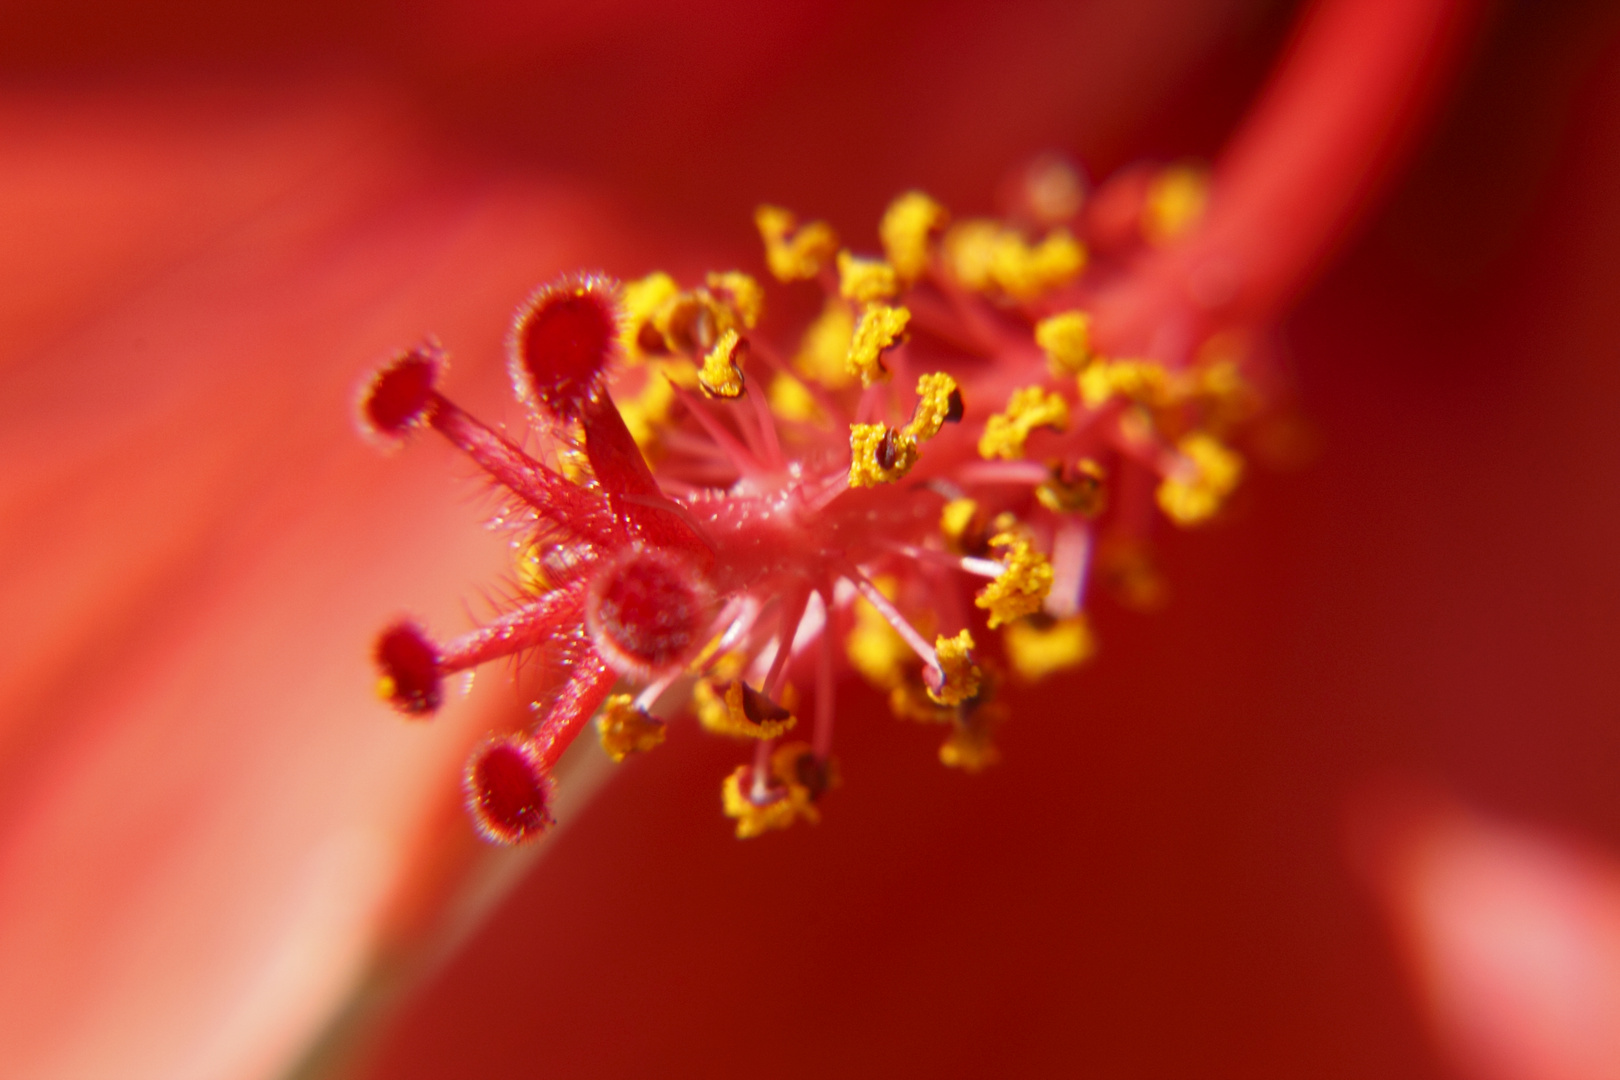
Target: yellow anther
x,y
1037,649
1217,377
1223,382
1144,381
575,466
985,256
1175,202
1032,407
709,705
880,326
1204,477
1137,429
691,322
642,301
385,688
972,719
938,402
824,350
1073,491
793,251
906,229
1097,384
791,400
1025,273
531,570
627,730
740,711
865,281
875,649
970,252
1149,383
1066,340
961,676
776,811
909,700
1022,585
795,764
969,747
722,375
646,412
739,292
797,779
541,565
957,519
878,454
721,667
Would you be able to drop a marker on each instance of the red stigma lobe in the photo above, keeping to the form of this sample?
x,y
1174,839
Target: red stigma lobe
x,y
562,345
411,668
508,791
400,396
647,610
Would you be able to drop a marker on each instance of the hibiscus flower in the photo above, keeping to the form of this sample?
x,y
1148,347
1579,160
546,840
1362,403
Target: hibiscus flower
x,y
212,838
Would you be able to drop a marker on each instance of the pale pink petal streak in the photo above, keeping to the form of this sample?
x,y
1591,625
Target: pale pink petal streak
x,y
1511,937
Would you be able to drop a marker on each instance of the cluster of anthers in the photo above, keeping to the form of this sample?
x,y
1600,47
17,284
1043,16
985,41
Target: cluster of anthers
x,y
921,487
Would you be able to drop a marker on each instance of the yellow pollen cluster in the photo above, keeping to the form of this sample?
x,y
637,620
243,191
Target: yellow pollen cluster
x,y
625,729
1066,340
958,516
986,256
865,281
531,570
1079,491
879,454
788,797
1207,474
537,563
385,688
907,227
910,700
961,675
1175,202
794,252
1144,381
1037,650
573,464
938,402
646,411
642,301
824,350
790,399
660,318
740,711
972,721
1022,585
969,747
880,326
721,375
1006,432
874,648
1226,394
742,294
